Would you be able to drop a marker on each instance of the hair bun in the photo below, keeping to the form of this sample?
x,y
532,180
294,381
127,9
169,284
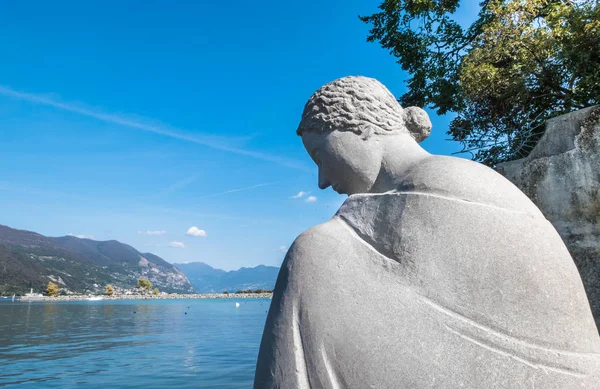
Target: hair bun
x,y
417,123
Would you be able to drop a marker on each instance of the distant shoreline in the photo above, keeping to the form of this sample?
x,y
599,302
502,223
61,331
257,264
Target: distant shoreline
x,y
173,296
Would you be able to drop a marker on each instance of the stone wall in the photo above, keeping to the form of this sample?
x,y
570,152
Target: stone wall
x,y
562,177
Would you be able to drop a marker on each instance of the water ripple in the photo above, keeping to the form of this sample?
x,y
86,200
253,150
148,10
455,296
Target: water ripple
x,y
126,344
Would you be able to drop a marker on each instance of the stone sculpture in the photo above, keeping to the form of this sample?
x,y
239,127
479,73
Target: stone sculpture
x,y
436,272
562,177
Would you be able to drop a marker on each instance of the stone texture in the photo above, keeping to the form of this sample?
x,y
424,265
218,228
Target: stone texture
x,y
562,177
355,105
436,272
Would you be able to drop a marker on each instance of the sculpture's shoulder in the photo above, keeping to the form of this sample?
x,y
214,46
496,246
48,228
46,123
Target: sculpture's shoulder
x,y
466,180
320,242
313,259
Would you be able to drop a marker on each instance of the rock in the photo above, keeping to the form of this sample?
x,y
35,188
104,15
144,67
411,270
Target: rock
x,y
562,177
435,272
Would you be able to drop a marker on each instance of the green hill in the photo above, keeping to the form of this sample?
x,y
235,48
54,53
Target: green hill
x,y
30,260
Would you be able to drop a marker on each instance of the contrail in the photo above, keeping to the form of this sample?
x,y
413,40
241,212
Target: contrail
x,y
204,140
238,190
177,186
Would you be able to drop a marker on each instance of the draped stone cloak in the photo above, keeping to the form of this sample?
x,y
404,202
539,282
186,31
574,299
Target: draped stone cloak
x,y
431,286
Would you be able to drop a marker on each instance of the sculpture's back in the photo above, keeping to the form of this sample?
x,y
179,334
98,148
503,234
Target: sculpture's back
x,y
450,278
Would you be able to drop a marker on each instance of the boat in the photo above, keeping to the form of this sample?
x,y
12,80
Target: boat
x,y
31,294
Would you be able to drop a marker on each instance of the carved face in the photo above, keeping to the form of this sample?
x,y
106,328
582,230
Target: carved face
x,y
347,161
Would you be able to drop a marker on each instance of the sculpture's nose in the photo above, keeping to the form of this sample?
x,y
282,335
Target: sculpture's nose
x,y
323,180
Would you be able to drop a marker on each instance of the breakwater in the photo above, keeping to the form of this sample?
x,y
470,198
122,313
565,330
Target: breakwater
x,y
172,296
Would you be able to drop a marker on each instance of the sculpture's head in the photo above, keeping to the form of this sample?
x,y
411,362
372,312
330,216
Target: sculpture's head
x,y
344,128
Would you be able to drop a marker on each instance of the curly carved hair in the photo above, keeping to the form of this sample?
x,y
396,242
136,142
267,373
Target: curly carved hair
x,y
357,103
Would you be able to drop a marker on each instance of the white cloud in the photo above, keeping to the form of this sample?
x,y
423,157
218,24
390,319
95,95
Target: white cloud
x,y
300,194
311,199
195,231
283,249
81,236
148,232
177,245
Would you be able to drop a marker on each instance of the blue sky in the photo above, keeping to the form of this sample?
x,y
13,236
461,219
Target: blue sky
x,y
136,121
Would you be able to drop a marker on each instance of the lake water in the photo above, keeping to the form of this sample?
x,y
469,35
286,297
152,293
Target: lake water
x,y
206,343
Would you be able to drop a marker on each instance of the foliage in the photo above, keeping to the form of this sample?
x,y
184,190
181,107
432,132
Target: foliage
x,y
144,284
520,63
19,272
226,292
109,290
52,289
155,292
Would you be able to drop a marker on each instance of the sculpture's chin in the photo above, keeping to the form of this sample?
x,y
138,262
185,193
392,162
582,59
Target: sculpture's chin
x,y
337,188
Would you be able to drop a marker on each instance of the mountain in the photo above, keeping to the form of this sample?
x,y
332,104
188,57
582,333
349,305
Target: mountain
x,y
207,279
30,260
